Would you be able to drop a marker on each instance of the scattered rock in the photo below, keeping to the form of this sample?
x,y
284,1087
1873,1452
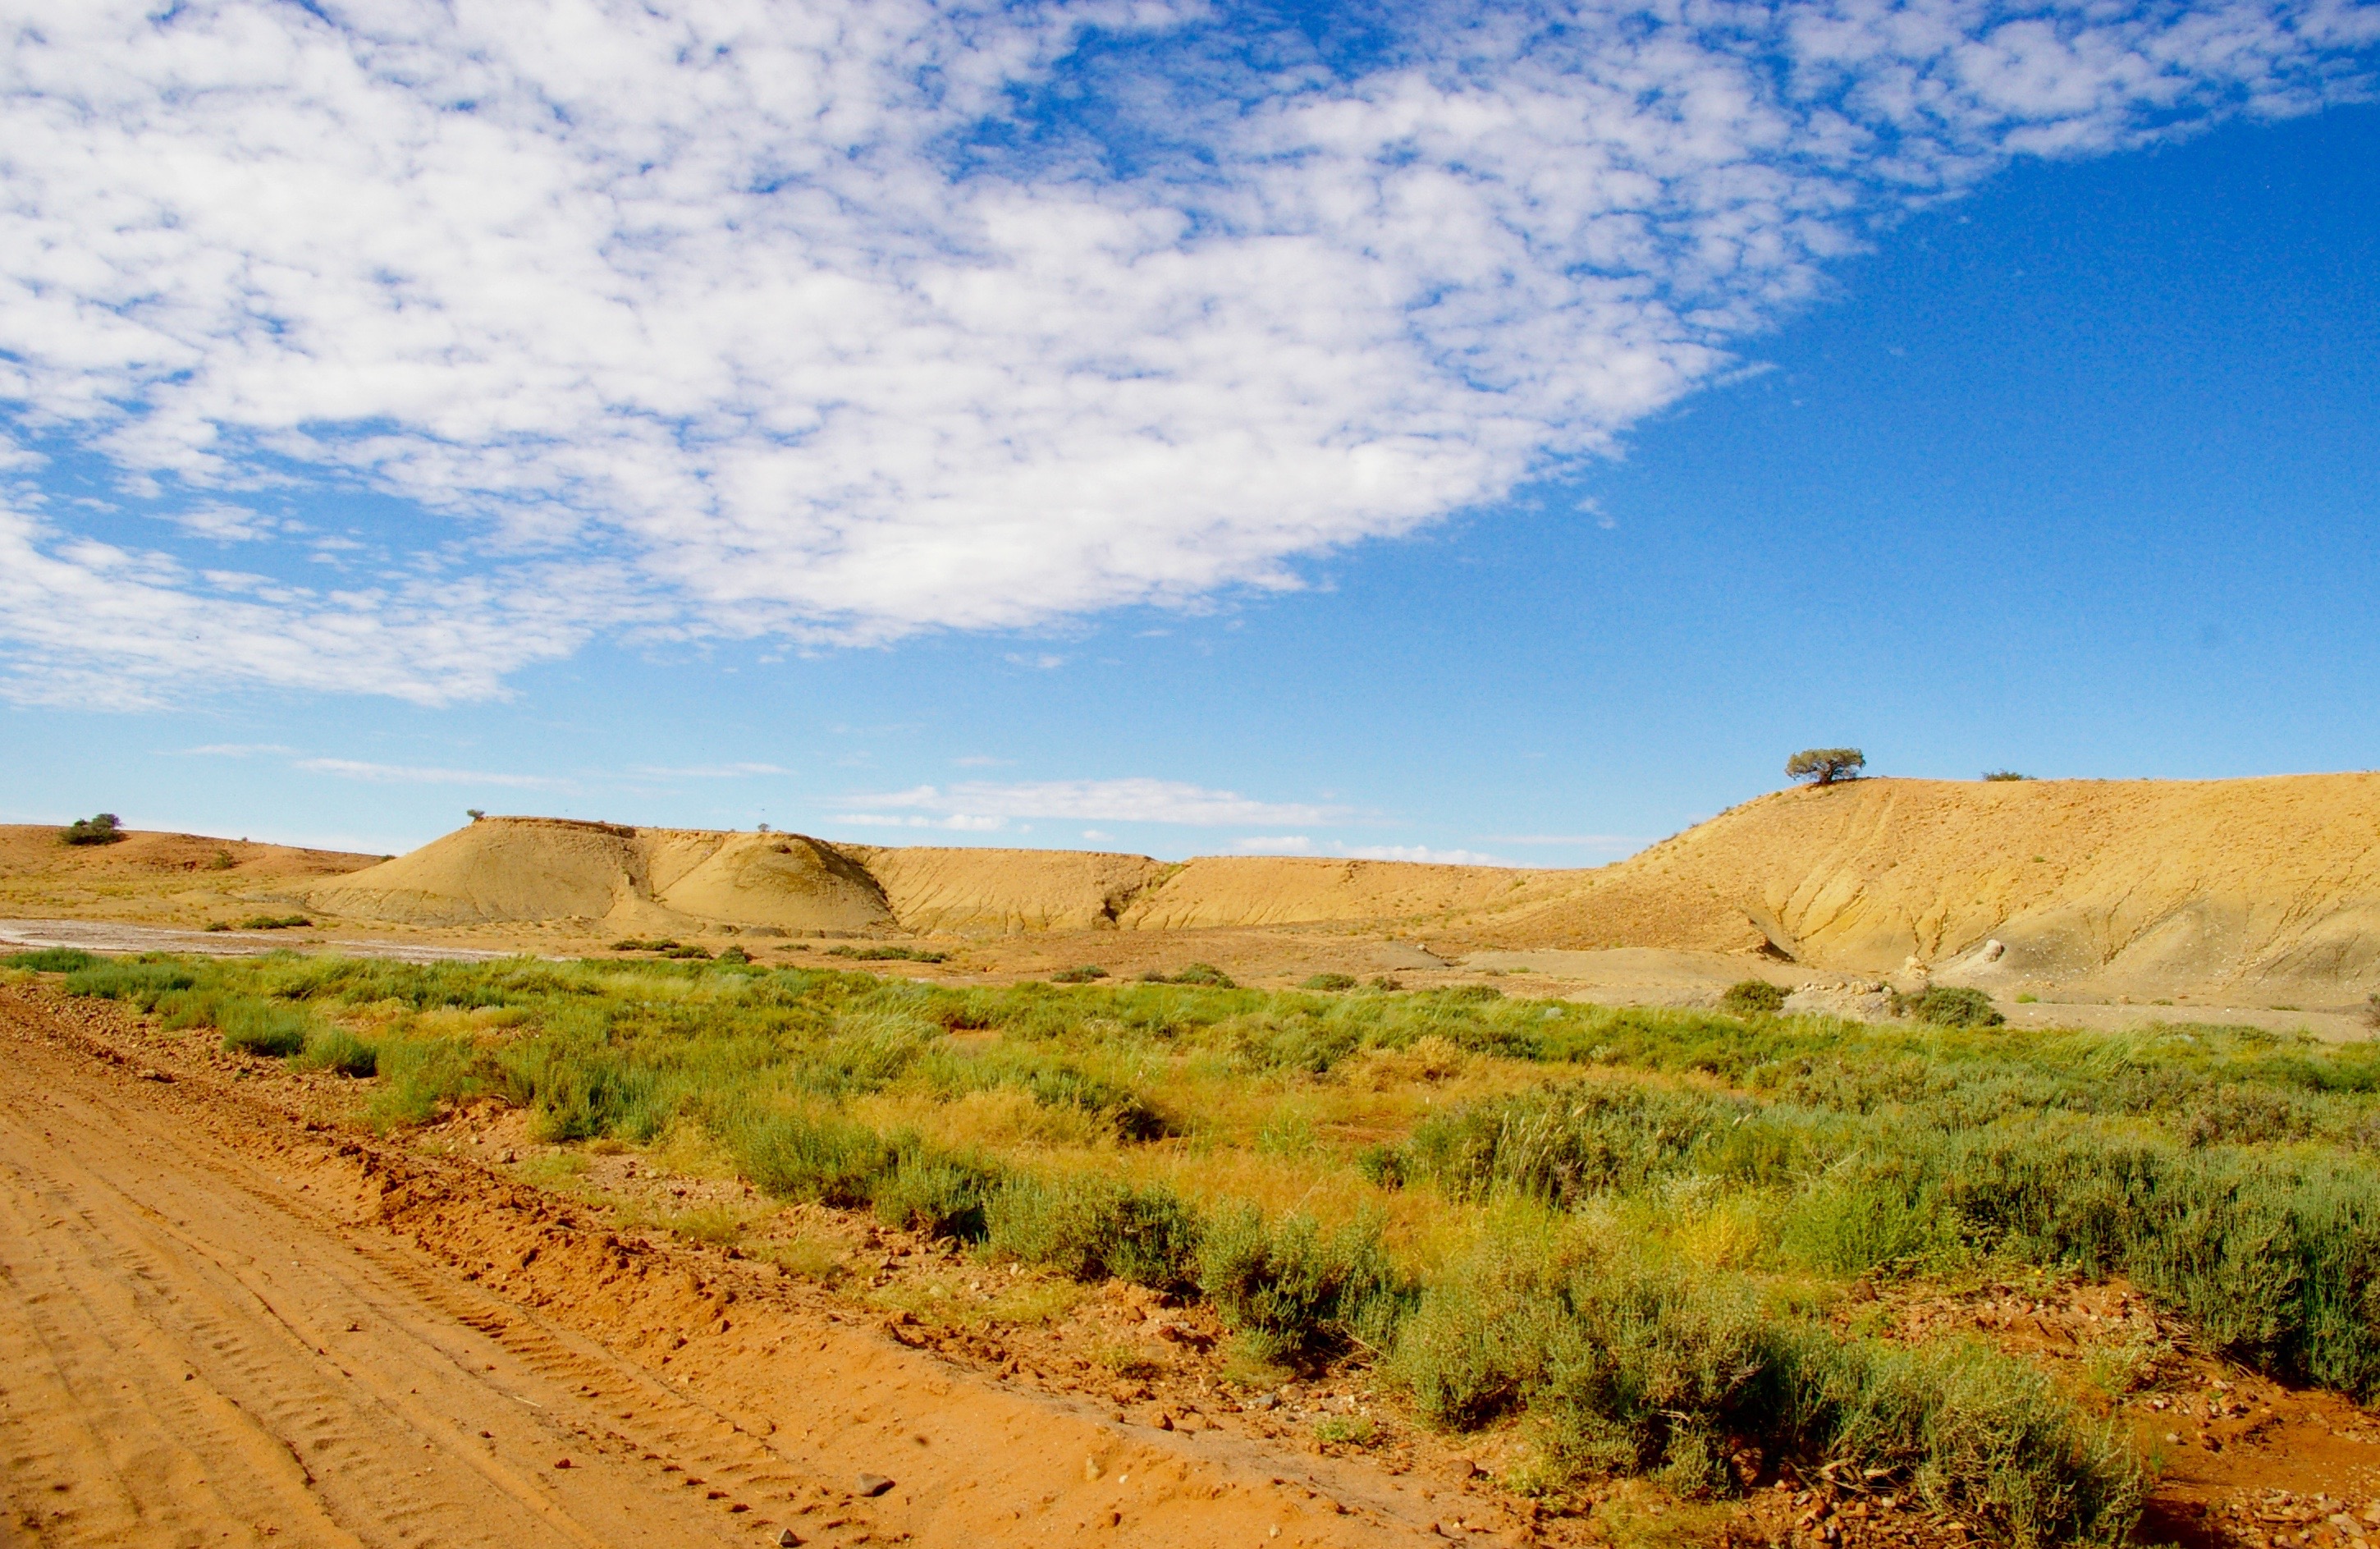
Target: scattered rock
x,y
873,1484
562,1462
788,1539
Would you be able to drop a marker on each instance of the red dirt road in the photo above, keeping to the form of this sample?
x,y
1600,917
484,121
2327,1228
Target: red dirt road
x,y
219,1324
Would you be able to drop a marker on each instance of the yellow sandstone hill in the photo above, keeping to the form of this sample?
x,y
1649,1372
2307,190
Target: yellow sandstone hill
x,y
2117,887
2141,887
551,869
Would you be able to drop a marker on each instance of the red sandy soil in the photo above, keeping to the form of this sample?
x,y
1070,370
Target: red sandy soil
x,y
224,1317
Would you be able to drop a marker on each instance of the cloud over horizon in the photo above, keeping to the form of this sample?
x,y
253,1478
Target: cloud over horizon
x,y
725,318
980,807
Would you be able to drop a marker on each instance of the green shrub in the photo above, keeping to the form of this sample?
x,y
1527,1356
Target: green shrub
x,y
1125,1112
1293,1292
1207,974
1967,1430
941,1196
1753,997
100,830
1856,1224
418,1076
578,1090
1566,1144
275,922
1634,1367
337,1049
798,1157
1952,1006
888,954
1092,1228
51,960
1081,975
263,1027
1329,982
139,983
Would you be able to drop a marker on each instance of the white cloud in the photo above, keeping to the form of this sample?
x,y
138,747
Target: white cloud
x,y
1421,853
95,623
717,318
225,524
1276,844
1128,800
414,774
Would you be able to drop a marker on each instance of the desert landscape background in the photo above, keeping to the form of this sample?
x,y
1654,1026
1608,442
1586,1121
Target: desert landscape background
x,y
2260,897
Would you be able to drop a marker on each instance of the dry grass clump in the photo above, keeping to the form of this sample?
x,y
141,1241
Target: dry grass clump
x,y
1429,1059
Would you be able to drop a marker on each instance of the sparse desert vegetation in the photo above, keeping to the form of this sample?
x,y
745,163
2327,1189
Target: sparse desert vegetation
x,y
1627,1237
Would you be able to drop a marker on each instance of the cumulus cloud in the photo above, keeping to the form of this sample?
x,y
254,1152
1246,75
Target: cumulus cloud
x,y
982,807
846,320
96,624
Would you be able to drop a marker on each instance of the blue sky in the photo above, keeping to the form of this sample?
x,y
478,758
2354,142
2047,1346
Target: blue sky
x,y
1180,431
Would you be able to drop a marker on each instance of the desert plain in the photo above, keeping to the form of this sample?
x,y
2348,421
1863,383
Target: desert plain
x,y
1893,1162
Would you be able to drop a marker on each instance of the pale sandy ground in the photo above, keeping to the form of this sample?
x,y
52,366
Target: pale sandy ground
x,y
1646,976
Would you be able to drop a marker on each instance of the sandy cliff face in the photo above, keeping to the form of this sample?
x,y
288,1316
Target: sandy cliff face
x,y
973,890
1295,890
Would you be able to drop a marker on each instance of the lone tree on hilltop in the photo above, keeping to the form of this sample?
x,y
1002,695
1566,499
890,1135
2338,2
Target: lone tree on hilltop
x,y
100,830
1823,766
